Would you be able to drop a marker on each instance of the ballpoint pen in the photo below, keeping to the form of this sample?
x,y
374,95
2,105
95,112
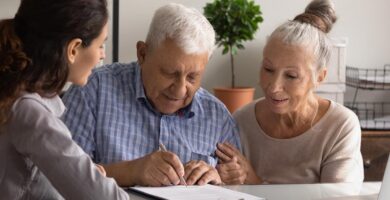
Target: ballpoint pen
x,y
162,148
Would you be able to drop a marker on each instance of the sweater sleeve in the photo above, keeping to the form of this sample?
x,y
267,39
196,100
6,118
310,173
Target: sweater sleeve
x,y
344,161
43,138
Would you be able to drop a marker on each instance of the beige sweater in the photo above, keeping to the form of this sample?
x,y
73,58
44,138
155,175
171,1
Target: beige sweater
x,y
328,152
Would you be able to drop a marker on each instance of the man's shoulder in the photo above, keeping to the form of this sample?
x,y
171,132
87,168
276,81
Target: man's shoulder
x,y
205,96
206,99
103,79
114,69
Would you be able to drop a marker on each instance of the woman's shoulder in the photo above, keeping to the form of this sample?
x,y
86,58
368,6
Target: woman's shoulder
x,y
340,112
29,102
339,120
33,102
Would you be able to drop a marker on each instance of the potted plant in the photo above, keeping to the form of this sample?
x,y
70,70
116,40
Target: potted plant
x,y
234,21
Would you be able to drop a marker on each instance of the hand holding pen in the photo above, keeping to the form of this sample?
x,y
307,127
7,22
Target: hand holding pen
x,y
159,168
164,168
198,172
162,148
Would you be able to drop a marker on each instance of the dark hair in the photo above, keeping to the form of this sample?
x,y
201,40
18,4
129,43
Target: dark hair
x,y
33,55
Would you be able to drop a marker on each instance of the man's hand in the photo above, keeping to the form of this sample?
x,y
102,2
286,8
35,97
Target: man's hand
x,y
158,169
233,167
199,172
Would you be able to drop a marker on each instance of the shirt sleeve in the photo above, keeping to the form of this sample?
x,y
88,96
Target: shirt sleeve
x,y
344,163
230,132
80,116
43,138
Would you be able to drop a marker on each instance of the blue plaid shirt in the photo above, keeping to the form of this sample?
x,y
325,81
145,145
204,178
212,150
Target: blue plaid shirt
x,y
112,120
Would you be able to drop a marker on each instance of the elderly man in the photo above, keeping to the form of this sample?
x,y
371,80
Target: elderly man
x,y
126,111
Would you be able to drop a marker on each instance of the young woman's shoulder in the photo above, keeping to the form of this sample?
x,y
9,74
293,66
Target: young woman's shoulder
x,y
34,103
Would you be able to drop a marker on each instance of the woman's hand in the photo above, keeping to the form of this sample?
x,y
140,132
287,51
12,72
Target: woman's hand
x,y
233,167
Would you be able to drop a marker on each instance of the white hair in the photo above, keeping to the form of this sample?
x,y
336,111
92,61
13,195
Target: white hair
x,y
306,35
191,31
309,30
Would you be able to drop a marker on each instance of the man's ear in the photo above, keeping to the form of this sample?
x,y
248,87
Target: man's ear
x,y
73,49
141,51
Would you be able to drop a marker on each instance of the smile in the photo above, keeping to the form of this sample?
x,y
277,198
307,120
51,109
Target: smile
x,y
279,101
174,99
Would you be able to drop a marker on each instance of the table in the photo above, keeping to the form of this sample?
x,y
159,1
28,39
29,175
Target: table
x,y
375,149
304,191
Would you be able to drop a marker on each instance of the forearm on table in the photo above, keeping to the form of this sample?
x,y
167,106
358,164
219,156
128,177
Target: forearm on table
x,y
253,179
123,172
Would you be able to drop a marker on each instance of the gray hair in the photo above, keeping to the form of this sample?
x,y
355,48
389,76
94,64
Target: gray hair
x,y
191,31
310,29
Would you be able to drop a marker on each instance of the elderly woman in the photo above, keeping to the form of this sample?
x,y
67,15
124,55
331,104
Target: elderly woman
x,y
292,135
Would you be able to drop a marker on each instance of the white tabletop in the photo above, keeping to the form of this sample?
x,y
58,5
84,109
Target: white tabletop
x,y
310,191
337,191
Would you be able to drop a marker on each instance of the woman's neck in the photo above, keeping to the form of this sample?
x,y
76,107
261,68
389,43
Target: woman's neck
x,y
290,124
302,115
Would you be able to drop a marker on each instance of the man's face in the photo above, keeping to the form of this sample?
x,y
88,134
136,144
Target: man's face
x,y
169,75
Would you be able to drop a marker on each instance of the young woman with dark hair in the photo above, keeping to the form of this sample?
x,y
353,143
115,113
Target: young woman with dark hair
x,y
46,44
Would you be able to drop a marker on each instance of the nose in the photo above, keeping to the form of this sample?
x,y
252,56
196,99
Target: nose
x,y
275,84
179,89
102,54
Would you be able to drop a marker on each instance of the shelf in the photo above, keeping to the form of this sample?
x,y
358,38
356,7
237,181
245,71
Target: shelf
x,y
372,115
370,79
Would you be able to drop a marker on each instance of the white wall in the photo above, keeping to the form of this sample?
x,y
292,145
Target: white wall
x,y
8,8
364,22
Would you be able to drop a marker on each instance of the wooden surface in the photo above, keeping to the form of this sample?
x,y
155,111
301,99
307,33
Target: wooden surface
x,y
375,149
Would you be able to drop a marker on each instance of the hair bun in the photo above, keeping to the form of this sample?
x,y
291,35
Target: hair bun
x,y
320,14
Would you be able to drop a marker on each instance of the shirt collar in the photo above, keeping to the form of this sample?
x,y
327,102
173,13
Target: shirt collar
x,y
186,112
139,87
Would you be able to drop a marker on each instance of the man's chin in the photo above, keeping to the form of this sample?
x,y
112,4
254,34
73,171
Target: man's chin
x,y
168,111
167,108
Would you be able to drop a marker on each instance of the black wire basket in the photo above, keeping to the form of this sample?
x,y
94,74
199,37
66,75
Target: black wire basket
x,y
372,115
371,79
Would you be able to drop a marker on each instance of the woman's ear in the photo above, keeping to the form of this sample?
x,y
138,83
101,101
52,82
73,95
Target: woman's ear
x,y
73,49
321,76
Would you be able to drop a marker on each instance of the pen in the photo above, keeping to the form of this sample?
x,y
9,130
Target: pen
x,y
162,148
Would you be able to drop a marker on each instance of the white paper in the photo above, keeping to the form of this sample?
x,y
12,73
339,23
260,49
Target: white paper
x,y
206,192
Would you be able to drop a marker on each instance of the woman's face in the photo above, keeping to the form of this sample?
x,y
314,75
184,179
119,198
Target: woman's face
x,y
286,76
87,58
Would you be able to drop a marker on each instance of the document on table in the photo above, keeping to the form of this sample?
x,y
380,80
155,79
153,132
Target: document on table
x,y
207,192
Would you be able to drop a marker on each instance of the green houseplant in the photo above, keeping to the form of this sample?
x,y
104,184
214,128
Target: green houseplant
x,y
234,21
